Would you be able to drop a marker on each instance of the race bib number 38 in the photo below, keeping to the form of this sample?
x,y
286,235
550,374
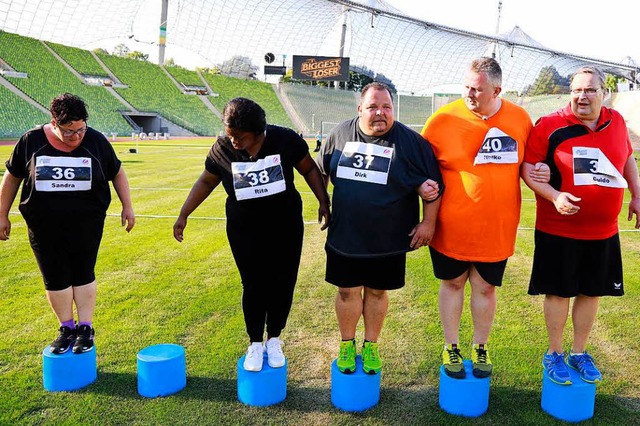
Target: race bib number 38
x,y
365,162
259,179
63,174
497,148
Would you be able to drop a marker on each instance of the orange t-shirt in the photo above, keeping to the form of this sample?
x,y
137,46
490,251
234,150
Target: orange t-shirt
x,y
480,210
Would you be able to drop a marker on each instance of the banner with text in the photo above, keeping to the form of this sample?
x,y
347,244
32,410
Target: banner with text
x,y
320,68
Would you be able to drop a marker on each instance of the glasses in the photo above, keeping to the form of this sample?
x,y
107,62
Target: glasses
x,y
70,133
588,92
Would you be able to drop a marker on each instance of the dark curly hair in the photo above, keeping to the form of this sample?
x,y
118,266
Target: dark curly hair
x,y
245,115
67,108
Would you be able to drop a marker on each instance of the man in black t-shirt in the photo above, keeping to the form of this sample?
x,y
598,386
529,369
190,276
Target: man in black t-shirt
x,y
375,165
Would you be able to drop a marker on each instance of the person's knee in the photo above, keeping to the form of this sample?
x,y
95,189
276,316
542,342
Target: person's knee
x,y
455,284
371,293
346,294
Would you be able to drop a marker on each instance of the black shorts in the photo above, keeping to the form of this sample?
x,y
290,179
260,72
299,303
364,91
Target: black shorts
x,y
67,255
447,268
567,267
379,273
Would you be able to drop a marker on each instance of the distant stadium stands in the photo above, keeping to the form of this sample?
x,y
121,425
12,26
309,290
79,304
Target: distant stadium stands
x,y
47,78
80,60
263,93
17,115
151,90
184,76
317,104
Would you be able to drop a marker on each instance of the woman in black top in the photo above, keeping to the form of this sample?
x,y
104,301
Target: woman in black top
x,y
65,168
255,162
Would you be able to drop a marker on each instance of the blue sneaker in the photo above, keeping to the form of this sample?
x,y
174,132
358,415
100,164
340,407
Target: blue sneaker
x,y
585,365
556,368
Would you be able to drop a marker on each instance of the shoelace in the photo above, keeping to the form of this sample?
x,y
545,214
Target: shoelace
x,y
585,361
344,352
454,355
373,354
482,356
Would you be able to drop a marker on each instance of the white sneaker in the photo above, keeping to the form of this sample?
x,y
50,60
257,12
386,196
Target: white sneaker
x,y
275,357
253,359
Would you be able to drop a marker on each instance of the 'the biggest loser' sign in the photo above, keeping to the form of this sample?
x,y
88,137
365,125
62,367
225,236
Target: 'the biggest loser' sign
x,y
320,68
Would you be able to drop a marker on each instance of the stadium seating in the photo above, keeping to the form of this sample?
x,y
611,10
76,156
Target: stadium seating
x,y
79,59
17,115
317,104
228,88
184,76
48,78
151,90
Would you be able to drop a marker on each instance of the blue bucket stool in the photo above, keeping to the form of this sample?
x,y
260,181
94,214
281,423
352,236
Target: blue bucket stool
x,y
262,388
468,397
571,403
357,391
162,370
68,371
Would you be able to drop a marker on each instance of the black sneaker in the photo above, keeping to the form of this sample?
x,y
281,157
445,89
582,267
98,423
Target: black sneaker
x,y
64,340
84,339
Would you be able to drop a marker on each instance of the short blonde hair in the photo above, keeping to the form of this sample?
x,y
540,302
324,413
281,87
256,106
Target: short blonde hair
x,y
589,69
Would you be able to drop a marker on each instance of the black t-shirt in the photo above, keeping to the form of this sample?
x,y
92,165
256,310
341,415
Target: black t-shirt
x,y
63,185
375,203
260,188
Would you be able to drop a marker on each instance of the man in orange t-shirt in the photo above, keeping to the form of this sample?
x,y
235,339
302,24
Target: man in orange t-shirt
x,y
479,144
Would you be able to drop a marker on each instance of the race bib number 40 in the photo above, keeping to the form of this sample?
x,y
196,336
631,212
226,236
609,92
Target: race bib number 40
x,y
497,148
63,174
592,167
365,162
260,179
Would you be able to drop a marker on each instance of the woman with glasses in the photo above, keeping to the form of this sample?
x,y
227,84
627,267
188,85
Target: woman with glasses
x,y
65,168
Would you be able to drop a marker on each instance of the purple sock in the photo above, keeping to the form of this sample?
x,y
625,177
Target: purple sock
x,y
89,323
68,323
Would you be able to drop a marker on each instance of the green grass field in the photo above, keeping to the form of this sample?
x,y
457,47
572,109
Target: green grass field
x,y
152,289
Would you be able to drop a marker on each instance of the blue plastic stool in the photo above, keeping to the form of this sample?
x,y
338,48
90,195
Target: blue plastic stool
x,y
262,388
162,370
468,397
68,371
358,391
571,403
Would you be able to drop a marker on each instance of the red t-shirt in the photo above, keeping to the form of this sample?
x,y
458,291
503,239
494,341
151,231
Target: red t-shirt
x,y
585,163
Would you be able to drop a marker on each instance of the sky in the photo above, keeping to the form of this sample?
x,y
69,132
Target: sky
x,y
601,29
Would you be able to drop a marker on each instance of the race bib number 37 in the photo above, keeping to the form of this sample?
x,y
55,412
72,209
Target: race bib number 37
x,y
365,162
259,179
497,148
63,174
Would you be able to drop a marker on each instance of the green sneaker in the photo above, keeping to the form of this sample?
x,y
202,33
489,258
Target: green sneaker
x,y
482,366
371,362
452,362
347,358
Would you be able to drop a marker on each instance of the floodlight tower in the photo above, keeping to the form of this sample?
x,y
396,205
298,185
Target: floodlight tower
x,y
495,44
163,32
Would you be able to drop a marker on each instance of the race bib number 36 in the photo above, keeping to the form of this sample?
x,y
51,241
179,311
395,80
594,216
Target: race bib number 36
x,y
259,179
592,167
497,148
365,162
63,174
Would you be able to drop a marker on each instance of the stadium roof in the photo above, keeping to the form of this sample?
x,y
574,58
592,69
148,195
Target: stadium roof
x,y
416,55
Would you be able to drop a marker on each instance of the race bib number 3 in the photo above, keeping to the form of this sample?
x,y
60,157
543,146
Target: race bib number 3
x,y
365,162
260,179
592,167
497,148
55,174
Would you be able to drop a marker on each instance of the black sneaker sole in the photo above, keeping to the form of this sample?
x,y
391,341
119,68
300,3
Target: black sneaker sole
x,y
82,349
460,375
480,374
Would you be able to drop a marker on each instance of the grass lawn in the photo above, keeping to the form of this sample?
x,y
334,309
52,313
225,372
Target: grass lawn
x,y
152,289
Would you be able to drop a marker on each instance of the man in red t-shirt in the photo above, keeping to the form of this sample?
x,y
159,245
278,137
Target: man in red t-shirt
x,y
577,252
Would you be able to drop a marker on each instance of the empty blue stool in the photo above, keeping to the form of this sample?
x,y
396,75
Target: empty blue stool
x,y
468,397
571,403
357,391
262,388
162,370
68,371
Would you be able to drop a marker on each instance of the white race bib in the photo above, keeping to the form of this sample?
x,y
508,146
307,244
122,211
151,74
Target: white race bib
x,y
592,167
63,174
258,179
497,148
365,162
